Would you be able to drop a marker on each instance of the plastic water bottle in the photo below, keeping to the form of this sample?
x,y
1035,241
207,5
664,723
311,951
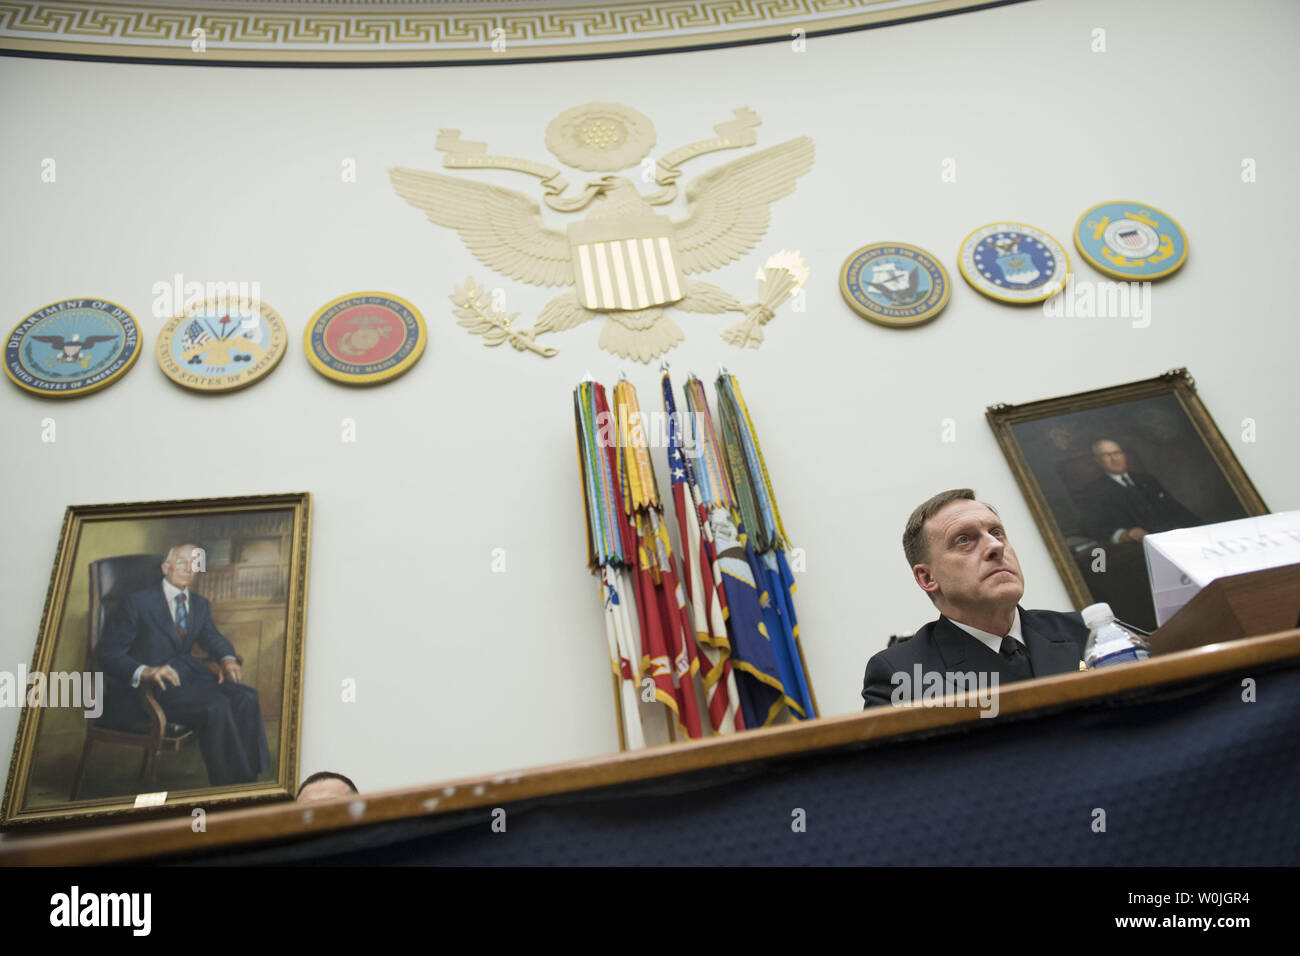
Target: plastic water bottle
x,y
1110,642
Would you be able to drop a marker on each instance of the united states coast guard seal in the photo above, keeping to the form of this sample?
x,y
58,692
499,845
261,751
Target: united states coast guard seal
x,y
72,347
220,347
365,338
1012,262
896,285
1130,240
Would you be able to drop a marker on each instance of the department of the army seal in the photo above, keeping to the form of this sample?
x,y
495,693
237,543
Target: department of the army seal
x,y
72,347
1130,240
896,285
1012,262
365,338
215,346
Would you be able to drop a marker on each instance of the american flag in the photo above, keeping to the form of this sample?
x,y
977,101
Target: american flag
x,y
195,336
702,578
1132,238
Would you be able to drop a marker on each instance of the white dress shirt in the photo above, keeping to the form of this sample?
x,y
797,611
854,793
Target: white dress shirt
x,y
992,641
1124,481
169,593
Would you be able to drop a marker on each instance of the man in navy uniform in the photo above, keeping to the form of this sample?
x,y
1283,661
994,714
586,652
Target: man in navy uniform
x,y
961,558
150,640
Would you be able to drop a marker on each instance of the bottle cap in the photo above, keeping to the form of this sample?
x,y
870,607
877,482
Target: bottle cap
x,y
1095,615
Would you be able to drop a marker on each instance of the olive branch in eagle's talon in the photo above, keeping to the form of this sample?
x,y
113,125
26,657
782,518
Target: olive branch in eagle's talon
x,y
475,311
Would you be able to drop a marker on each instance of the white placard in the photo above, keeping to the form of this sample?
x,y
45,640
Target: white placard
x,y
1182,562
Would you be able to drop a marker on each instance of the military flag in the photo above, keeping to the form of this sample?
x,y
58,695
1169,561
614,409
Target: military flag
x,y
742,590
666,623
752,487
701,577
609,552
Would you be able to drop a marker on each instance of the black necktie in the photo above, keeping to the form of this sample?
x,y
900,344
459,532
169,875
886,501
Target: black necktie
x,y
1017,661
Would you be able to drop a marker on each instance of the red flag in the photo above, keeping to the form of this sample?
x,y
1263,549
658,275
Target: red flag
x,y
660,630
678,629
706,618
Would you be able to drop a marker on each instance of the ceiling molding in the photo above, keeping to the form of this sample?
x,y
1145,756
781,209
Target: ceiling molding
x,y
326,33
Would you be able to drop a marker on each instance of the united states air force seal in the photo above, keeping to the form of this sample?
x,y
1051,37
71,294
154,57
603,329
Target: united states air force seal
x,y
1012,262
215,346
72,347
1130,240
365,338
895,284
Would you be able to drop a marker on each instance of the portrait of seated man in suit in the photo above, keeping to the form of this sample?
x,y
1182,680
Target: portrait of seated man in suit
x,y
1120,505
151,640
962,559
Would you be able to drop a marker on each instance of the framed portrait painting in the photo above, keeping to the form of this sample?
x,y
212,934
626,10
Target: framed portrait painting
x,y
168,668
1103,469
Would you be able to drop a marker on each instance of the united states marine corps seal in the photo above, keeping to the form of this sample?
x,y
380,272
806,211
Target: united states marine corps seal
x,y
214,348
72,347
365,338
1012,262
896,285
1130,240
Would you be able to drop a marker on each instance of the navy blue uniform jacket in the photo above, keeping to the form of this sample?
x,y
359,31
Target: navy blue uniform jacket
x,y
1053,641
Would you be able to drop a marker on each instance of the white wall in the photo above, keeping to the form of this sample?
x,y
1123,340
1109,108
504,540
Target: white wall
x,y
235,173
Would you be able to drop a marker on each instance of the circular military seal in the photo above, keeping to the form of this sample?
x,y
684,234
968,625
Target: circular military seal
x,y
1130,240
1012,262
217,346
895,284
365,338
72,347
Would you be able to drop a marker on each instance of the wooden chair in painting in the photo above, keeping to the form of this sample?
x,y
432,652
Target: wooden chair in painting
x,y
111,581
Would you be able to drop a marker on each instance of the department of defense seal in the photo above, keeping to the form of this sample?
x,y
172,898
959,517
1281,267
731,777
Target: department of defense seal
x,y
1130,240
214,348
895,284
72,347
1012,262
365,338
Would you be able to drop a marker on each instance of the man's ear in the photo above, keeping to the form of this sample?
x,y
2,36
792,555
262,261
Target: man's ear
x,y
924,579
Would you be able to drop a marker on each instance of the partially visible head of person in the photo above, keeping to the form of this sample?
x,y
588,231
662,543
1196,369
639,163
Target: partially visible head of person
x,y
325,784
1110,456
960,556
180,564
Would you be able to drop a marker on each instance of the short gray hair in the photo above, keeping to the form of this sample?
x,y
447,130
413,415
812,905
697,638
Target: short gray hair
x,y
916,545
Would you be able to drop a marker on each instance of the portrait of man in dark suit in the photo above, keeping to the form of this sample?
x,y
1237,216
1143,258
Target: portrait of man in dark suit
x,y
1120,505
962,559
151,640
1104,470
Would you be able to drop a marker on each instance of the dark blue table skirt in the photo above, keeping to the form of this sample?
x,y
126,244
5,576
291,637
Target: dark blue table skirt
x,y
1186,776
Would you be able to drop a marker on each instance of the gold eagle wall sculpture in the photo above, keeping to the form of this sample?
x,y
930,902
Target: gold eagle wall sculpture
x,y
623,260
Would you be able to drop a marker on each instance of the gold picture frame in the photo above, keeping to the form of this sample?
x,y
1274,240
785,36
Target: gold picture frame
x,y
83,734
1159,433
